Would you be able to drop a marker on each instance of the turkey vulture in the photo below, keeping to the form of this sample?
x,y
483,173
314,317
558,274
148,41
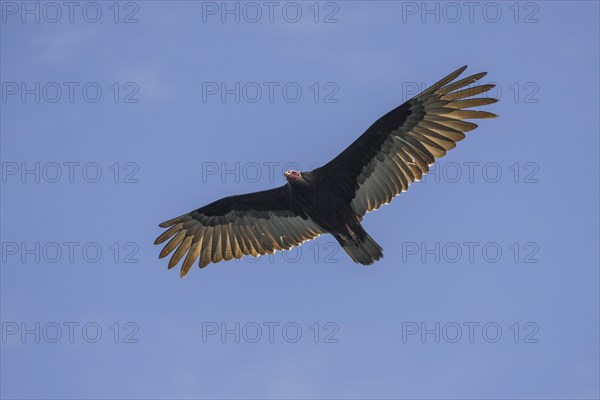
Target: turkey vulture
x,y
394,152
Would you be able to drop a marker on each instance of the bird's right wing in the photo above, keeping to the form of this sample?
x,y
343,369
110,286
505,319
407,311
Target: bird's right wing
x,y
249,224
400,146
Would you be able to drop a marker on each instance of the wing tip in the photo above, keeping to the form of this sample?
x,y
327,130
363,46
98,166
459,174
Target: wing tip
x,y
172,264
170,222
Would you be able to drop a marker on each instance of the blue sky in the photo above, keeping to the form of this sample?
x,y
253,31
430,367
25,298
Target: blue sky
x,y
489,285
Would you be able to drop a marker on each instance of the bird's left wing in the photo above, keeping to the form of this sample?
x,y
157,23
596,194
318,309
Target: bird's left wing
x,y
399,147
249,224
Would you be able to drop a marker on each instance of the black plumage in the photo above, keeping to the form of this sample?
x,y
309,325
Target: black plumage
x,y
394,152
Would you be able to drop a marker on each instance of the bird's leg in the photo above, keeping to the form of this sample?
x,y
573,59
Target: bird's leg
x,y
352,234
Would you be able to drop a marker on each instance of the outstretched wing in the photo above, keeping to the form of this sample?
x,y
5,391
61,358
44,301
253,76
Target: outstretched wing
x,y
400,146
249,224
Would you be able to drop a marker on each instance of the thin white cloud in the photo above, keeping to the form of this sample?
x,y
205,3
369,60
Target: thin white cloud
x,y
61,47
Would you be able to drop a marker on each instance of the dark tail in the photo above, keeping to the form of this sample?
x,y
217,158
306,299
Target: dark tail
x,y
362,249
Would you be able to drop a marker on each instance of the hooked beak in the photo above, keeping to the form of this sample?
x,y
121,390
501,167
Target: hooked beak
x,y
292,176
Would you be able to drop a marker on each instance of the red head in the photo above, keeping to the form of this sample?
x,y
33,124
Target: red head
x,y
292,176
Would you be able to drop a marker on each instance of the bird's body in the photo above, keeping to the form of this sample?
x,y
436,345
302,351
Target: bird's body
x,y
394,152
320,199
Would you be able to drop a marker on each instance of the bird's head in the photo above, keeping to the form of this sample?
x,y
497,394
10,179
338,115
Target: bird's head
x,y
292,176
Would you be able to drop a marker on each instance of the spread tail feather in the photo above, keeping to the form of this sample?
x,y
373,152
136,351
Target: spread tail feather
x,y
363,251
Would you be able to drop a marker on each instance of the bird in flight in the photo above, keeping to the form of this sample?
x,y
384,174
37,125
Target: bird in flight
x,y
394,152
